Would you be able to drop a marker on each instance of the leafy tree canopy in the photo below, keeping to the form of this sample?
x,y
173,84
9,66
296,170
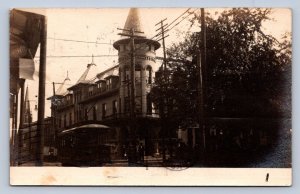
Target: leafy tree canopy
x,y
247,72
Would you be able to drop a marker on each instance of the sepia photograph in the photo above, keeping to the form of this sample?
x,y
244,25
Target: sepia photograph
x,y
177,96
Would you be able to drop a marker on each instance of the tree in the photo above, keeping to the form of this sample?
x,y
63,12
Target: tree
x,y
248,72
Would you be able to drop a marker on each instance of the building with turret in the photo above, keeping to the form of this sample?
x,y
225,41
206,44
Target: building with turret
x,y
103,100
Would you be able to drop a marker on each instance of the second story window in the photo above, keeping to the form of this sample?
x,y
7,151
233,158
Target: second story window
x,y
86,116
95,112
103,110
115,107
79,115
108,84
65,120
78,96
70,118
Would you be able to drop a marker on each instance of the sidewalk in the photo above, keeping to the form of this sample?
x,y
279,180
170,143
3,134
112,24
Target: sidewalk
x,y
148,161
29,164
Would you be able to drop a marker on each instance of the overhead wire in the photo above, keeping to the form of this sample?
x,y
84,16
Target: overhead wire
x,y
183,19
151,39
80,41
158,36
79,56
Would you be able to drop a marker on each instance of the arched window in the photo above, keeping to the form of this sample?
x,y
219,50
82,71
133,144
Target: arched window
x,y
149,74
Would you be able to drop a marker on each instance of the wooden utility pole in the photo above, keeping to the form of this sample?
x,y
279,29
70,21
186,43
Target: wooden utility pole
x,y
41,95
54,108
163,30
201,62
131,34
53,85
14,129
22,105
163,116
132,75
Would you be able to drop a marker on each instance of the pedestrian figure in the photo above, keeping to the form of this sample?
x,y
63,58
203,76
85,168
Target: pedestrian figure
x,y
141,152
124,151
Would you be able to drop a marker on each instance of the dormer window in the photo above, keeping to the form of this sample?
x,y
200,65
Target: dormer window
x,y
108,84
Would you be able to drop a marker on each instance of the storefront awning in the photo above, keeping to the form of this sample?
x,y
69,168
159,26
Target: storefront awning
x,y
86,127
25,31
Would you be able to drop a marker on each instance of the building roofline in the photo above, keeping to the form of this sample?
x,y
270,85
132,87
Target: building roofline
x,y
125,41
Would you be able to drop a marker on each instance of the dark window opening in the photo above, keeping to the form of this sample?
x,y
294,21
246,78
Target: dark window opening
x,y
149,74
86,114
115,107
70,119
94,113
149,104
103,110
65,120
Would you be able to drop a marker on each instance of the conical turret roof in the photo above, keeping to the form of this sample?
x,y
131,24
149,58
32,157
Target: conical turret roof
x,y
133,21
88,74
63,87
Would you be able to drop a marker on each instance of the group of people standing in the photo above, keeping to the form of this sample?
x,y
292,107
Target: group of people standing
x,y
134,153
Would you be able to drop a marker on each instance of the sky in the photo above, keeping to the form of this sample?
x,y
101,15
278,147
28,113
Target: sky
x,y
100,25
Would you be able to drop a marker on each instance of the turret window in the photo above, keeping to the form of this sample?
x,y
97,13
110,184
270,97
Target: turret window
x,y
127,74
138,76
149,75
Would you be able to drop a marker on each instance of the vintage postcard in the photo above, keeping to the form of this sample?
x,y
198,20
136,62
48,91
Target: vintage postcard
x,y
151,96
